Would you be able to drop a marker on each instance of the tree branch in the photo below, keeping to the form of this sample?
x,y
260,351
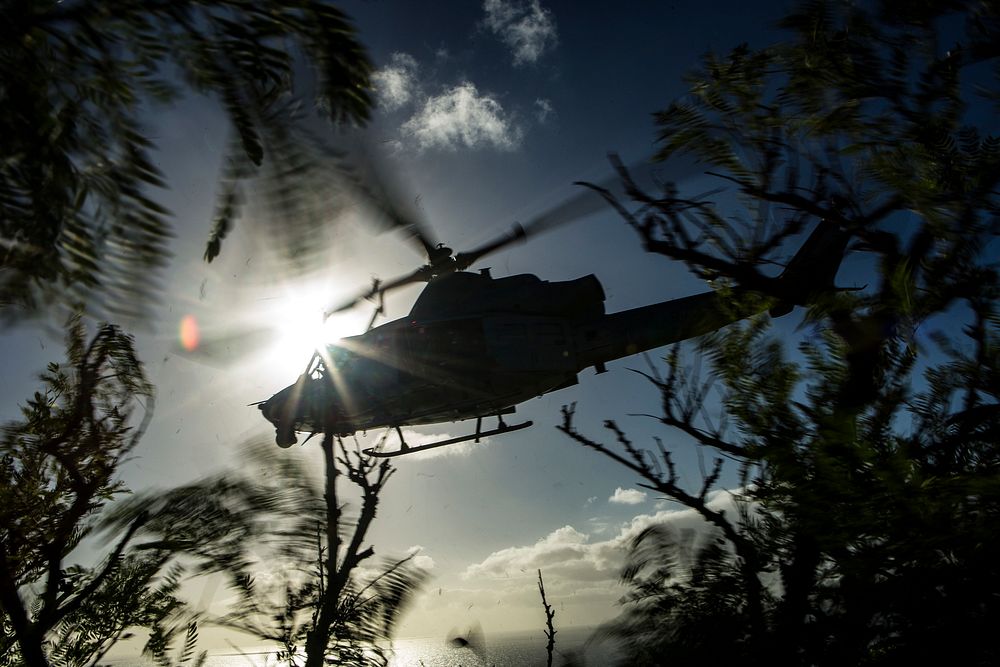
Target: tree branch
x,y
750,561
109,567
550,631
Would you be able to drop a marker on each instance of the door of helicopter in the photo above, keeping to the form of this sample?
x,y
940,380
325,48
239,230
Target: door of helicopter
x,y
364,368
448,347
530,344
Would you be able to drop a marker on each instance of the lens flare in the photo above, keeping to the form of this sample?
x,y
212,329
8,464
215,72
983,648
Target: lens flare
x,y
189,333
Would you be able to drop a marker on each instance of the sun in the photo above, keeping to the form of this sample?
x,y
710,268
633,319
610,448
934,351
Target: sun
x,y
301,330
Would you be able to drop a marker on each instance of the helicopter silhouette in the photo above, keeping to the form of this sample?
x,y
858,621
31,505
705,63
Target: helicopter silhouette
x,y
474,346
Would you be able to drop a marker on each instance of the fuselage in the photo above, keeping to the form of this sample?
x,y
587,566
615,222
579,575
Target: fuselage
x,y
474,346
421,370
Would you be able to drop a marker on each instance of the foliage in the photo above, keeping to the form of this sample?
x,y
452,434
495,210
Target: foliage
x,y
684,600
292,559
160,641
78,221
59,463
871,479
139,593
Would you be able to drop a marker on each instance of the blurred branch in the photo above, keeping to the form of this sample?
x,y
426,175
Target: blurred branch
x,y
749,560
272,516
872,487
79,222
59,465
113,561
682,399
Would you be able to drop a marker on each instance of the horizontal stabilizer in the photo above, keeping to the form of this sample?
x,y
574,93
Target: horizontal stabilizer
x,y
813,268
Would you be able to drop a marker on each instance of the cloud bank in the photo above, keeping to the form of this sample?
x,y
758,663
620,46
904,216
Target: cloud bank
x,y
581,573
569,554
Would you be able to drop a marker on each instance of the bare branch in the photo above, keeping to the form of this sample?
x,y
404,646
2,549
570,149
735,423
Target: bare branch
x,y
550,631
745,549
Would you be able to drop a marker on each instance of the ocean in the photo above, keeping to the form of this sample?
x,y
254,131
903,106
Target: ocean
x,y
506,650
520,649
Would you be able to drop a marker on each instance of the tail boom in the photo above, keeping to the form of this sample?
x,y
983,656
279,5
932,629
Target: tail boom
x,y
632,331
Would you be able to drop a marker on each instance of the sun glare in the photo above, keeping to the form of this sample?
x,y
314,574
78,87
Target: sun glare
x,y
301,330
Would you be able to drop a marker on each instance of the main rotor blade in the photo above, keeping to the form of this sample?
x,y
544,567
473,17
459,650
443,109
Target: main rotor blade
x,y
379,187
423,274
584,203
579,206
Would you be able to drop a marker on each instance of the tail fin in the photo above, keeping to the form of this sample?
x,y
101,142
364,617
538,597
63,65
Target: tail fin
x,y
813,268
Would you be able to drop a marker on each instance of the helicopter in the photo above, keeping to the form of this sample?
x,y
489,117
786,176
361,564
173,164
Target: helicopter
x,y
473,346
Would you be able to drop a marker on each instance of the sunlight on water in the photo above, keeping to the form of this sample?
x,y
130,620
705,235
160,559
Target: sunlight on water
x,y
502,650
428,652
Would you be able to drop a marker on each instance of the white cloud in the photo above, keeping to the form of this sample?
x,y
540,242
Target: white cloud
x,y
598,525
568,554
580,567
590,501
543,110
462,117
526,28
627,497
420,559
565,551
396,84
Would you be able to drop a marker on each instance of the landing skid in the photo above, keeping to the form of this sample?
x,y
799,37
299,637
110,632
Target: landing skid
x,y
406,449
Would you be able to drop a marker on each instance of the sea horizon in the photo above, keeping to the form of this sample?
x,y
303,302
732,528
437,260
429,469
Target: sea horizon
x,y
500,649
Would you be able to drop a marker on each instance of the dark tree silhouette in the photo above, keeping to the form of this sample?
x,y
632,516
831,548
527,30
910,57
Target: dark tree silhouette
x,y
78,217
59,463
80,226
863,531
270,518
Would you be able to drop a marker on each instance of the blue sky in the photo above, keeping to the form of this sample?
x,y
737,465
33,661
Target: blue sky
x,y
491,110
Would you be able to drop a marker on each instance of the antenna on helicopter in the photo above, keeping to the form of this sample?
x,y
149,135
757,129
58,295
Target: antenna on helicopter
x,y
379,309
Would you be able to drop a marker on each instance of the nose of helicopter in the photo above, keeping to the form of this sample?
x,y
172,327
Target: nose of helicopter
x,y
278,411
308,405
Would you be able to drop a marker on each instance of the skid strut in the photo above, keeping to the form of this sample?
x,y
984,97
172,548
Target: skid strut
x,y
407,449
